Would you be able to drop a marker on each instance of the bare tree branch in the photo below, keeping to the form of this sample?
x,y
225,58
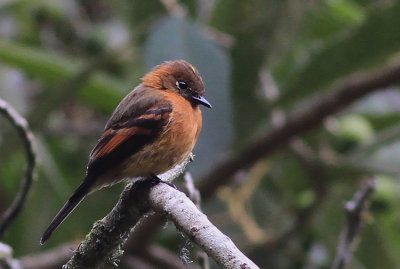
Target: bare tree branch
x,y
297,124
28,140
187,218
193,193
104,242
354,213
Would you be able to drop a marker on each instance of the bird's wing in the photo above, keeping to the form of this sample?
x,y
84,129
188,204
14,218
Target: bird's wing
x,y
129,132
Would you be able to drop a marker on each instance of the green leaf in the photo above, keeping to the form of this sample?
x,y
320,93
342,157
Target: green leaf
x,y
382,121
372,43
333,18
355,128
346,11
53,69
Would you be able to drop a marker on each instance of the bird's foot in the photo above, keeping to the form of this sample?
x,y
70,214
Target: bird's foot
x,y
157,180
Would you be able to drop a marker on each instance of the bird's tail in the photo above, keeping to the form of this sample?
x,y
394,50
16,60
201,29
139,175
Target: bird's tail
x,y
67,208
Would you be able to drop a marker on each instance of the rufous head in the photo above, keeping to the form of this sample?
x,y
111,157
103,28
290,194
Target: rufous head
x,y
178,76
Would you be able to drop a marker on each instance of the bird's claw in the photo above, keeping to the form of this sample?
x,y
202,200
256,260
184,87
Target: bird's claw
x,y
155,179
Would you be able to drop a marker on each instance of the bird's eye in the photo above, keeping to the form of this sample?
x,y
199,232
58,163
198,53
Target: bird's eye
x,y
182,85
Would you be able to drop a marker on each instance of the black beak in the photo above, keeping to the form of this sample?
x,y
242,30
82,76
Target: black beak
x,y
203,101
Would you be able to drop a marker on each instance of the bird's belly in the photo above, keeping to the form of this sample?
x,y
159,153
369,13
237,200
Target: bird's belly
x,y
167,151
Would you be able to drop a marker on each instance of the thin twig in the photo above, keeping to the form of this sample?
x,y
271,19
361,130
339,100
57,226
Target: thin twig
x,y
193,193
355,210
237,198
28,140
195,196
297,124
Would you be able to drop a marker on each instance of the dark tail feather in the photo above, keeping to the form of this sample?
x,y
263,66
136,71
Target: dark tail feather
x,y
67,208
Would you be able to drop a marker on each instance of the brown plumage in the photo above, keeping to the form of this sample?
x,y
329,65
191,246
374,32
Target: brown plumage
x,y
153,129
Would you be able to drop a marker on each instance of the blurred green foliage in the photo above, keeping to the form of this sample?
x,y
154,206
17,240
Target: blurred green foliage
x,y
66,64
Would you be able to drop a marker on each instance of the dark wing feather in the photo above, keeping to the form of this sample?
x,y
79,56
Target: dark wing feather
x,y
136,121
135,104
125,139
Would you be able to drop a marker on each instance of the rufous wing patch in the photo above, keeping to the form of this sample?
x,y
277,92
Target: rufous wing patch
x,y
119,136
113,137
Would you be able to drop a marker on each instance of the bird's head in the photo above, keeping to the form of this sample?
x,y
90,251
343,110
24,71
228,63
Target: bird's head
x,y
180,77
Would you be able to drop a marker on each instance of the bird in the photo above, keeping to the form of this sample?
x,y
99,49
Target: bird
x,y
153,129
